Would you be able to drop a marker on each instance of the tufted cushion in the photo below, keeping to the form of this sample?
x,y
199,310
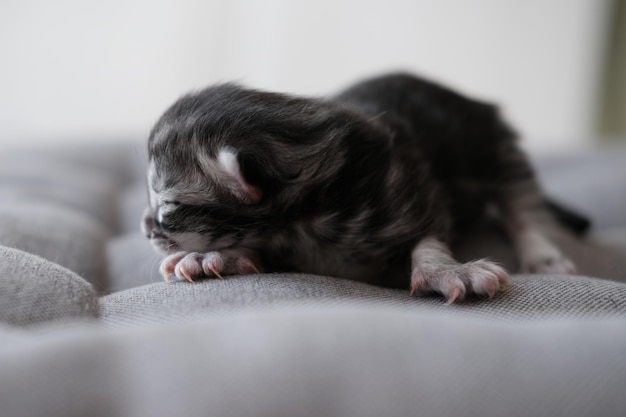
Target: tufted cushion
x,y
33,290
527,298
325,361
106,336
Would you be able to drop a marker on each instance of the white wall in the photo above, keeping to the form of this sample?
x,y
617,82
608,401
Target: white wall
x,y
72,69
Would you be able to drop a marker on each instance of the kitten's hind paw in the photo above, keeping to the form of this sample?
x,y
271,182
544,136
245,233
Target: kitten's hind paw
x,y
457,280
191,266
548,265
539,255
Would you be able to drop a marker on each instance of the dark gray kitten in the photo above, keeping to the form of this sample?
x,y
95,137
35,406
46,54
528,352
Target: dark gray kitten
x,y
371,185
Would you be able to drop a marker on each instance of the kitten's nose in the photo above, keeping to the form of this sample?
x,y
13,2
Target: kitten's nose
x,y
147,222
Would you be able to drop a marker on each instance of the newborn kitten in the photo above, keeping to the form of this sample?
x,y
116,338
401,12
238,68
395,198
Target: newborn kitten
x,y
371,185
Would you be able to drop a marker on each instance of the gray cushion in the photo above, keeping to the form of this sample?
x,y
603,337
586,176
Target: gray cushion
x,y
60,234
33,290
106,336
346,362
529,297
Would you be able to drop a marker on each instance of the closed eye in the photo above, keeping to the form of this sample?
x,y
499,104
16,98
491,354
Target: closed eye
x,y
166,209
174,203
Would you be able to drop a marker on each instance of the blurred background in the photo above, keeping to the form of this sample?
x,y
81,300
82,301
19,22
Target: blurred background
x,y
75,70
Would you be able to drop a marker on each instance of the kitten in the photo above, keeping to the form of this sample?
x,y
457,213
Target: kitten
x,y
371,185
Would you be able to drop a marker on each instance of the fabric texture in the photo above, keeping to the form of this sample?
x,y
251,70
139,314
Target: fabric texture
x,y
88,327
526,298
321,362
33,290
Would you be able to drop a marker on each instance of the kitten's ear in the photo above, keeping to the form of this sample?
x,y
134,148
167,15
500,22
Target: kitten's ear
x,y
230,175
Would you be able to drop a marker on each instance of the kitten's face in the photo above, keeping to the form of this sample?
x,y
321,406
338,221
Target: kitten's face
x,y
197,205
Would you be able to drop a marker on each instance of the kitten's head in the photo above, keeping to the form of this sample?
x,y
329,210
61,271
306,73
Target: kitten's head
x,y
203,204
221,161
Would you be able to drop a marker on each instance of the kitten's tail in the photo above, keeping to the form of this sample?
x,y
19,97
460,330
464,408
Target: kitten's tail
x,y
568,218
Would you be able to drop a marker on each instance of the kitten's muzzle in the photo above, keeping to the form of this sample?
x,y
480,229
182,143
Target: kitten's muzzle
x,y
152,230
148,223
151,226
164,245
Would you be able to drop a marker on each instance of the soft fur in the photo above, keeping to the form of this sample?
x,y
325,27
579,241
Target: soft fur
x,y
372,184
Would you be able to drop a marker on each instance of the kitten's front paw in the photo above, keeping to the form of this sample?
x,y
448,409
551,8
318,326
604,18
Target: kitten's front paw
x,y
195,265
457,280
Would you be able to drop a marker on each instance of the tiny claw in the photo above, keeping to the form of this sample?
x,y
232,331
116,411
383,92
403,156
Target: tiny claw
x,y
166,271
246,266
503,282
214,271
492,289
456,293
186,275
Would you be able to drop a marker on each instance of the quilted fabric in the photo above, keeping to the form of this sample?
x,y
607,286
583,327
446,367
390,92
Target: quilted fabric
x,y
88,327
346,362
35,291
